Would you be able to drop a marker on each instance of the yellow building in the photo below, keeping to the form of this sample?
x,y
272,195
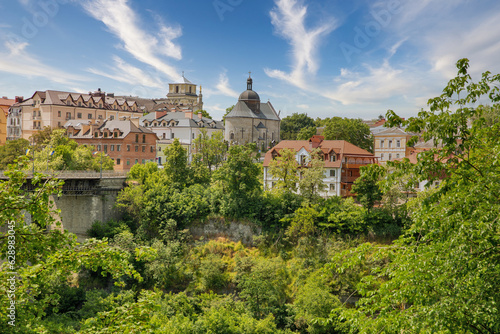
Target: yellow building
x,y
390,144
183,93
5,104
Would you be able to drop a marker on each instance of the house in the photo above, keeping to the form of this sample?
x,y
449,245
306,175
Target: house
x,y
251,121
14,119
124,141
342,162
54,108
390,144
170,122
5,104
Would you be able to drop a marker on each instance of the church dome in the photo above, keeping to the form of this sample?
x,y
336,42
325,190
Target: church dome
x,y
249,94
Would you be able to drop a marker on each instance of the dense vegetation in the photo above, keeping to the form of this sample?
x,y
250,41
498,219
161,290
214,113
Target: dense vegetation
x,y
389,264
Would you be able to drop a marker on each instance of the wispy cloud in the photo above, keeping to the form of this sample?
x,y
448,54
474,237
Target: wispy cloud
x,y
373,86
222,87
125,72
123,22
288,18
17,60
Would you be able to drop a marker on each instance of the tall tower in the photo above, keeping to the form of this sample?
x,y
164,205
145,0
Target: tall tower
x,y
183,92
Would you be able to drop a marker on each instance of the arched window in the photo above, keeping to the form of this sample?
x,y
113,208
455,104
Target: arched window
x,y
177,89
231,136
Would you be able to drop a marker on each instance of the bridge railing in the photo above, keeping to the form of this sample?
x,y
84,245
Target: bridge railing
x,y
75,174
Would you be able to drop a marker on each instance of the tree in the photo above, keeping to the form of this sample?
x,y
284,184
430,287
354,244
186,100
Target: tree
x,y
351,130
209,150
366,185
306,133
311,183
37,255
284,169
443,273
175,166
204,113
291,125
12,150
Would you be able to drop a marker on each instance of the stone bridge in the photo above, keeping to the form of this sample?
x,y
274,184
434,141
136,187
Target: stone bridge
x,y
86,197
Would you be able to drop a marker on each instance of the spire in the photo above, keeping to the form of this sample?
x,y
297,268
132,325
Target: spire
x,y
249,81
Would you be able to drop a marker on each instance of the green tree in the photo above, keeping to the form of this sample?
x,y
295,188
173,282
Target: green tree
x,y
12,150
291,125
209,150
176,164
306,133
284,169
38,255
351,130
204,113
366,185
443,273
311,184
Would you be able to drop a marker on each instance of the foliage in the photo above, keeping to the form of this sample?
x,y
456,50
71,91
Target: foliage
x,y
209,151
176,165
366,185
311,184
12,150
204,113
292,125
351,130
306,133
343,216
284,169
443,273
141,173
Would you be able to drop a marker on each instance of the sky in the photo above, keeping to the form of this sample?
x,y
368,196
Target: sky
x,y
327,58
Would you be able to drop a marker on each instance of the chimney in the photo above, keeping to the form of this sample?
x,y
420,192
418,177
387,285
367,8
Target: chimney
x,y
5,97
19,99
315,141
135,120
200,115
160,113
188,114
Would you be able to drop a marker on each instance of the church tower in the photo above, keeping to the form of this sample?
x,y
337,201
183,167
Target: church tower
x,y
183,92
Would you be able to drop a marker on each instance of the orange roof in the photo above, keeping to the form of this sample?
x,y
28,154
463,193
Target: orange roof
x,y
341,147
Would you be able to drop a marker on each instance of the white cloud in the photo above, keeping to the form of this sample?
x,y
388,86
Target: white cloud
x,y
127,73
378,84
222,87
288,18
122,21
303,106
18,61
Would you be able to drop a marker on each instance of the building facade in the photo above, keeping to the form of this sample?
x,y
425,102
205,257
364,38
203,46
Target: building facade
x,y
55,108
5,104
390,144
183,93
124,141
342,162
251,121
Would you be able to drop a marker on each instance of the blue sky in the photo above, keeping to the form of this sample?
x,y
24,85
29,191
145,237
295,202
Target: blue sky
x,y
324,58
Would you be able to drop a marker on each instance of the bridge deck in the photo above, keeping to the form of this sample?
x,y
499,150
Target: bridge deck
x,y
66,174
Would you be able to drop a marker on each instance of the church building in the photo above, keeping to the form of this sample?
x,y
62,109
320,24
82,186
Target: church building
x,y
252,121
183,92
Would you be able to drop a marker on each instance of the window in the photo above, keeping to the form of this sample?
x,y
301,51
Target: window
x,y
382,143
98,147
59,113
118,148
136,161
105,135
332,172
152,149
173,135
390,145
333,157
115,134
303,160
68,115
397,156
193,135
143,148
143,161
164,135
112,147
79,115
382,156
34,114
68,103
111,117
159,148
99,117
398,143
89,116
136,138
128,148
159,161
79,103
332,186
118,161
143,138
128,162
100,105
105,148
390,156
90,105
96,134
136,148
58,124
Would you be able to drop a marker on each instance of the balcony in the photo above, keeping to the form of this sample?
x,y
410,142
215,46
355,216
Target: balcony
x,y
348,179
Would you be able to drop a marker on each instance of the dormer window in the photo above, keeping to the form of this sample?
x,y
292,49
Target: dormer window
x,y
333,157
96,134
79,103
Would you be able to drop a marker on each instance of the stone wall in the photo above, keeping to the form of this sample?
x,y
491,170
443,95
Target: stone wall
x,y
230,229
